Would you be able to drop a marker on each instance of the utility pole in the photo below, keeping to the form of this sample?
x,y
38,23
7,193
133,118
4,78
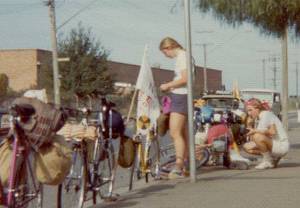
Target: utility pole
x,y
56,81
274,60
205,85
264,72
297,86
284,78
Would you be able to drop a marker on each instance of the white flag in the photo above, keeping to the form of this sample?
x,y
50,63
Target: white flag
x,y
148,105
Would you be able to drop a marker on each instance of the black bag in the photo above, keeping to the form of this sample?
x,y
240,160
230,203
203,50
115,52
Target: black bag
x,y
42,125
117,124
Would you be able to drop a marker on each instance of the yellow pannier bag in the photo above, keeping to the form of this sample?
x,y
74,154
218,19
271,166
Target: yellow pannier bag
x,y
5,158
53,161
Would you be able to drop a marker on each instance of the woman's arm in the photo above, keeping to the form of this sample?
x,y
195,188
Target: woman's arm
x,y
269,132
175,83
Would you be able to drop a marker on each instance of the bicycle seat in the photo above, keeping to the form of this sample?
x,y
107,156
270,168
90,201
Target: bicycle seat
x,y
24,110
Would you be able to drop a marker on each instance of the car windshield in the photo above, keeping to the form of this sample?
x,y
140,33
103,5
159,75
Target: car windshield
x,y
220,102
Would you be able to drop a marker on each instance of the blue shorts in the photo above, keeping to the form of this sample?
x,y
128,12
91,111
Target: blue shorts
x,y
179,103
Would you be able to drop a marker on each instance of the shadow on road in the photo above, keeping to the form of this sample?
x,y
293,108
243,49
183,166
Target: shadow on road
x,y
133,198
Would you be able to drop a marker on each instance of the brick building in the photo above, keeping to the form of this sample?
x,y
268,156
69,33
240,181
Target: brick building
x,y
25,66
126,75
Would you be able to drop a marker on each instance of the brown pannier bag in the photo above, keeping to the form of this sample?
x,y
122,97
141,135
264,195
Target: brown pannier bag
x,y
43,124
163,124
126,152
53,161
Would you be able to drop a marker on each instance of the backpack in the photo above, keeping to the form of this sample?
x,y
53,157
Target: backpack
x,y
43,124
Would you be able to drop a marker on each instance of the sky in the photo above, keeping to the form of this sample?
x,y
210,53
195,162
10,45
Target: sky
x,y
124,27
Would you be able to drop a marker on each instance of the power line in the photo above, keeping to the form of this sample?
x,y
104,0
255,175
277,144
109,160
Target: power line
x,y
76,14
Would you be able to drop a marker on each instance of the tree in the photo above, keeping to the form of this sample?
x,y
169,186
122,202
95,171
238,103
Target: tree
x,y
272,17
86,71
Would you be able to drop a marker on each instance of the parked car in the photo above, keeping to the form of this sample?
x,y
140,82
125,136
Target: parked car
x,y
221,102
272,97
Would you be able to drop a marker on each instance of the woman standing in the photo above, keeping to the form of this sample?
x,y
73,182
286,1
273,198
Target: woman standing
x,y
268,138
178,110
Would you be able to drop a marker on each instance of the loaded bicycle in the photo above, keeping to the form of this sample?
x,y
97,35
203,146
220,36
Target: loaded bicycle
x,y
146,156
92,174
21,187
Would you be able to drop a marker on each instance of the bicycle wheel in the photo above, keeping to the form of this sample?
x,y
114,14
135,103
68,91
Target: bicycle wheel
x,y
153,160
72,192
106,171
28,192
135,168
202,157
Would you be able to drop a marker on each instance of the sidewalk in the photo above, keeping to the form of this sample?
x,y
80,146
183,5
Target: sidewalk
x,y
219,187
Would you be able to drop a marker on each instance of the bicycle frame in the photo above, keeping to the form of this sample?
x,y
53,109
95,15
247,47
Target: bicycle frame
x,y
20,156
142,154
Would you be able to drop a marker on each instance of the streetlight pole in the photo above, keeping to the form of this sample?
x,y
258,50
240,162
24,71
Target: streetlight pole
x,y
56,81
190,90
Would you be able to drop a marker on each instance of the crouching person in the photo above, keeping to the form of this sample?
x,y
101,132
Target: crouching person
x,y
268,138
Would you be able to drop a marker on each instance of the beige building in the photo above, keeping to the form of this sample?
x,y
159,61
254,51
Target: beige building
x,y
23,66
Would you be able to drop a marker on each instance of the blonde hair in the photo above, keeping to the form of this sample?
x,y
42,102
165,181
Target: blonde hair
x,y
169,43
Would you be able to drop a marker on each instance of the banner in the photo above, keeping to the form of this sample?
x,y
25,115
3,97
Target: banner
x,y
148,108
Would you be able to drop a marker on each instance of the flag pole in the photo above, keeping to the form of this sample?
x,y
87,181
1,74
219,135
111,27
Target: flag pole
x,y
190,90
131,105
135,90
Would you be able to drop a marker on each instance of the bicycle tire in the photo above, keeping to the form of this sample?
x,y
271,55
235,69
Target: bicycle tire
x,y
134,168
72,192
106,168
28,191
153,159
204,159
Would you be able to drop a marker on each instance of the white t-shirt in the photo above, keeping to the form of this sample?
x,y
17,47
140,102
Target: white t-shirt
x,y
180,66
266,119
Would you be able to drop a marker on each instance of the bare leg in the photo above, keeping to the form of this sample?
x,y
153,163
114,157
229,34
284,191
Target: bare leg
x,y
177,128
263,143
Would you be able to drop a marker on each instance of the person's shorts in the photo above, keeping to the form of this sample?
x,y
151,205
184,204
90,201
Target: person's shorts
x,y
179,103
280,148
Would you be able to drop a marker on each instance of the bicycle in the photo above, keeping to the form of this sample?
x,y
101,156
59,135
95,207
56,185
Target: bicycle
x,y
22,189
91,172
147,157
